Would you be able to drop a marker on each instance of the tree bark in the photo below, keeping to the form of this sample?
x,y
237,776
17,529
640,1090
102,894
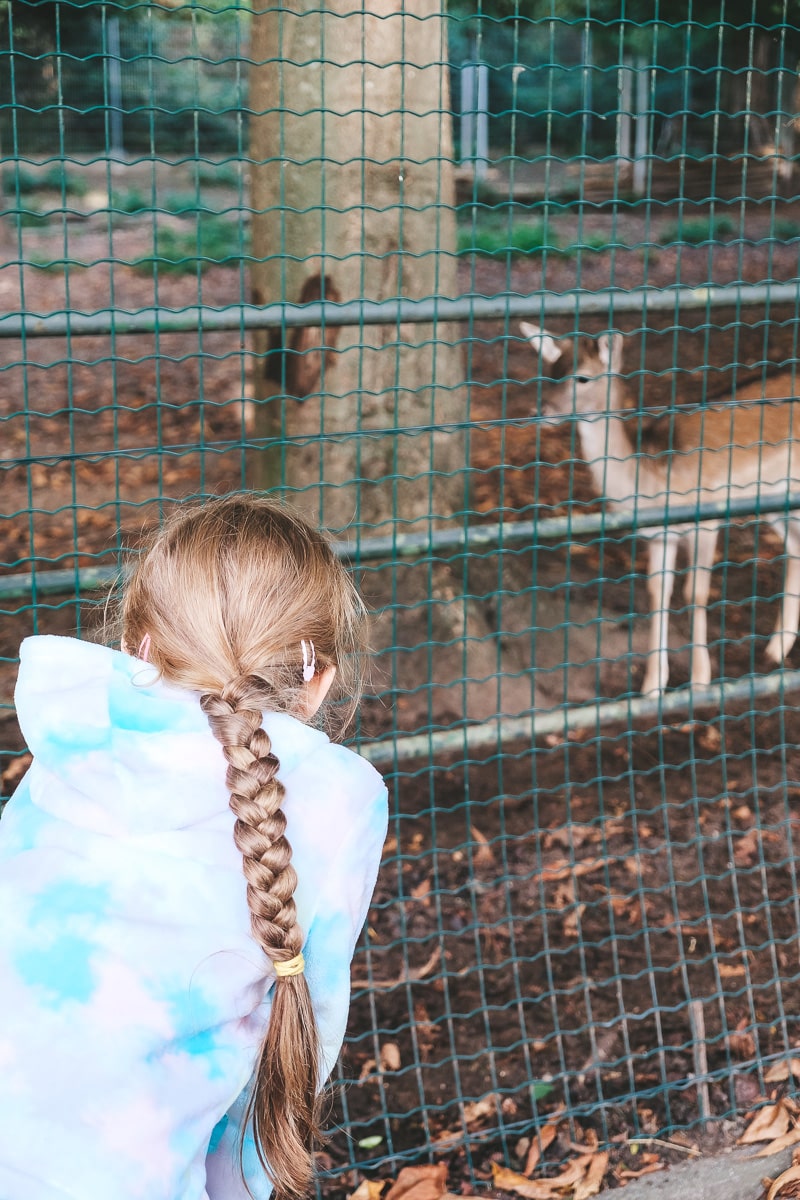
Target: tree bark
x,y
353,198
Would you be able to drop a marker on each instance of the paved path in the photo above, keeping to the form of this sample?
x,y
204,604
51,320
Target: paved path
x,y
733,1176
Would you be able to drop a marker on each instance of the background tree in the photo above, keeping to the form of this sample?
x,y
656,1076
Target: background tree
x,y
352,186
353,199
723,74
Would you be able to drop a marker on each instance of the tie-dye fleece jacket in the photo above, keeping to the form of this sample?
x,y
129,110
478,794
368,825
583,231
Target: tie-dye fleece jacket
x,y
132,995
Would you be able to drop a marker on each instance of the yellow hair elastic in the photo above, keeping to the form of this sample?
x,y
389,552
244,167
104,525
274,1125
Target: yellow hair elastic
x,y
292,966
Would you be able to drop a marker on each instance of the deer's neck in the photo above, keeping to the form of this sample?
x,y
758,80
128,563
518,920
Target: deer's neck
x,y
609,450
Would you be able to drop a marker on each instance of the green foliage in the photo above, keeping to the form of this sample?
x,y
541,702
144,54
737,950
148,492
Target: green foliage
x,y
182,84
497,239
185,204
19,180
66,182
699,231
214,240
131,201
182,204
554,67
787,230
55,266
597,242
29,218
222,175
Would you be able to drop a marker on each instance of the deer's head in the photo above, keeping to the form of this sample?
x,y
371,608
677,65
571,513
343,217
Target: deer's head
x,y
581,371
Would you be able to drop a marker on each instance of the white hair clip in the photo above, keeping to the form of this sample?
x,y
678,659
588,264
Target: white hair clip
x,y
309,660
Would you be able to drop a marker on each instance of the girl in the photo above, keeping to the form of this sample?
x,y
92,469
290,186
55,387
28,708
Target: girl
x,y
176,935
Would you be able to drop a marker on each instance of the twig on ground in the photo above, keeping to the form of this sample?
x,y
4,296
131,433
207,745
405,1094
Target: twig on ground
x,y
407,976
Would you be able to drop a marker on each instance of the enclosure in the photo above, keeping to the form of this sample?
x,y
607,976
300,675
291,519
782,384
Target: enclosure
x,y
289,248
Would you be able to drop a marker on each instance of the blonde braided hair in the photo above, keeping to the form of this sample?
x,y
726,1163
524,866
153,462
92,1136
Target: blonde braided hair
x,y
227,591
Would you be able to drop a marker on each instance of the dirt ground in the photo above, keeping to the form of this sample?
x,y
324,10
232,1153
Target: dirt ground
x,y
558,926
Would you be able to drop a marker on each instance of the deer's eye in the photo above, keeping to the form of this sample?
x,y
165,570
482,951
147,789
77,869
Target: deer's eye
x,y
581,378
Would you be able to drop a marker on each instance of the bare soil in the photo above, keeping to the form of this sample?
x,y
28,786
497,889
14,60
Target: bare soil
x,y
583,913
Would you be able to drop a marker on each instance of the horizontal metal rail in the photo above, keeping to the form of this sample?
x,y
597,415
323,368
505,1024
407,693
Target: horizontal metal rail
x,y
536,724
469,307
456,540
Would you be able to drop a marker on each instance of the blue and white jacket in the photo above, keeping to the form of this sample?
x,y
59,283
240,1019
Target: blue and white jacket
x,y
132,994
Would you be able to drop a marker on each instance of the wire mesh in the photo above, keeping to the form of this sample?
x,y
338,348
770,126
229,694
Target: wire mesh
x,y
290,251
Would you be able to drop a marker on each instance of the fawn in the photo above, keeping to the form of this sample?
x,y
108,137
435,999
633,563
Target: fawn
x,y
713,455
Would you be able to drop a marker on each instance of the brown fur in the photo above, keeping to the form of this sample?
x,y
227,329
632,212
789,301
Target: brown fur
x,y
719,454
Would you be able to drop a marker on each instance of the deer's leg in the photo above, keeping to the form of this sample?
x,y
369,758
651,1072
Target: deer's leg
x,y
702,548
662,553
785,633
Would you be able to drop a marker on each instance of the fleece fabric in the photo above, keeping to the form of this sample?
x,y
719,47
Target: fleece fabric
x,y
133,996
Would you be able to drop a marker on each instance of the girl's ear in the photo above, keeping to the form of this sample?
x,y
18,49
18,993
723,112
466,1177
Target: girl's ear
x,y
317,689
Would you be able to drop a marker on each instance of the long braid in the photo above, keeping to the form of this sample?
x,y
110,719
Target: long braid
x,y
283,1103
228,596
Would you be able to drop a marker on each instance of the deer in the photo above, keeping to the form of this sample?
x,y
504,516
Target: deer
x,y
725,450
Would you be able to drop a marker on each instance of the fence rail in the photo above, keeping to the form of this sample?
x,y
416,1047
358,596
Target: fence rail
x,y
504,306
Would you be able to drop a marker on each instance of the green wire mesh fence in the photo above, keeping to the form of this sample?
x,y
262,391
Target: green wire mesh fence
x,y
290,249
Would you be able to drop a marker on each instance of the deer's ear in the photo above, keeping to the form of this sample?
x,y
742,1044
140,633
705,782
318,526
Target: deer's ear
x,y
609,351
543,343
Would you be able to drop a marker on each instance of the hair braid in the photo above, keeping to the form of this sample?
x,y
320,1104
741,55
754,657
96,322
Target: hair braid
x,y
227,595
283,1103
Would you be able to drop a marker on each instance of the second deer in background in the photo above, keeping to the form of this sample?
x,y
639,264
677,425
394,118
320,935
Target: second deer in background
x,y
746,450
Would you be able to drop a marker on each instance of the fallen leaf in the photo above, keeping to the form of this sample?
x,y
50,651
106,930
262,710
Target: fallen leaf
x,y
571,923
564,868
730,970
781,1071
780,1143
541,1189
540,1140
627,1173
531,1189
791,1175
573,836
420,1183
389,1057
741,1041
769,1123
593,1180
484,855
367,1069
368,1189
746,849
485,1107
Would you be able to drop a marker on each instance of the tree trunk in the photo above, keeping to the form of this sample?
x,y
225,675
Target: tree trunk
x,y
749,92
353,198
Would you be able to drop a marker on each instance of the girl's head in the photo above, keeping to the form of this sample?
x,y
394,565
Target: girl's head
x,y
241,588
244,603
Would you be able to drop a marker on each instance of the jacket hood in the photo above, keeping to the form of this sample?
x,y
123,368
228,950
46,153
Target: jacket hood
x,y
117,738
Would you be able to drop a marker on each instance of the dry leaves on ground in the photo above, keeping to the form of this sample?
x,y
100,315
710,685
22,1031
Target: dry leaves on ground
x,y
776,1124
579,1179
650,1163
787,1185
